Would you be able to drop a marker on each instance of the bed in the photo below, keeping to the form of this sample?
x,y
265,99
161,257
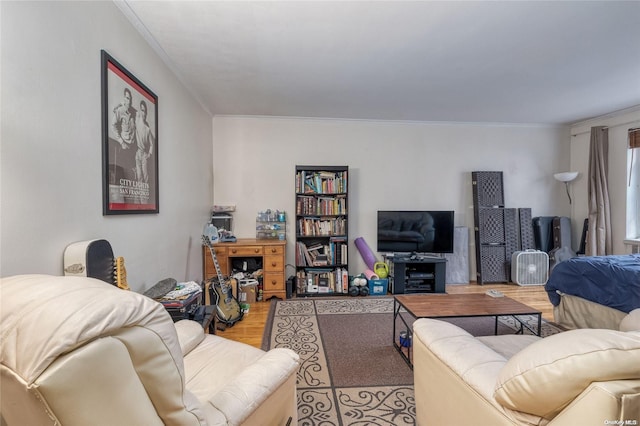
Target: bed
x,y
594,291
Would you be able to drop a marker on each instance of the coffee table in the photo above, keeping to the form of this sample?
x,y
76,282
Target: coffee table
x,y
455,306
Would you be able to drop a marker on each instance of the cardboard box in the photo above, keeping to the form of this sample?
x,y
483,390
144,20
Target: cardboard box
x,y
378,287
248,293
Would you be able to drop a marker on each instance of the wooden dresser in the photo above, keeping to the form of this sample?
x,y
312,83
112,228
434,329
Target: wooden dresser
x,y
273,257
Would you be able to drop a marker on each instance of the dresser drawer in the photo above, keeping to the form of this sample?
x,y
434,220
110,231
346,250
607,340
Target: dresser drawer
x,y
273,282
273,263
274,250
245,251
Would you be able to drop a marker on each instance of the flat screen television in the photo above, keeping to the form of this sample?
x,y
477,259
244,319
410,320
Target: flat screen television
x,y
409,231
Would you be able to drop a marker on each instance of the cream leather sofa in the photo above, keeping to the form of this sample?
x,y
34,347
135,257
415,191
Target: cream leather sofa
x,y
78,351
579,377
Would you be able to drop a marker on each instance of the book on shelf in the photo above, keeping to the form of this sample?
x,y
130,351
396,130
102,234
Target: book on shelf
x,y
318,254
321,280
321,260
318,226
321,182
321,205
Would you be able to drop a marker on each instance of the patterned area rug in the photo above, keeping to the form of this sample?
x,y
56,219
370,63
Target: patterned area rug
x,y
350,373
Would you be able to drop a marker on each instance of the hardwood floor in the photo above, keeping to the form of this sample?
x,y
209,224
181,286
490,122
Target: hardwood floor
x,y
251,328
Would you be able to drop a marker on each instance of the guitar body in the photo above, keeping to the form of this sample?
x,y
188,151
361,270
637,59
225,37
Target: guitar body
x,y
92,258
228,309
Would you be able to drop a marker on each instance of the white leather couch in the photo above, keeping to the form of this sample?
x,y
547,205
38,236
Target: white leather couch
x,y
78,351
579,377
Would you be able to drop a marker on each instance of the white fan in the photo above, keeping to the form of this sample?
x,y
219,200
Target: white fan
x,y
530,267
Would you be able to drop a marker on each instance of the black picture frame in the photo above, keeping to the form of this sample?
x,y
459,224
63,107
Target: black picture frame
x,y
129,142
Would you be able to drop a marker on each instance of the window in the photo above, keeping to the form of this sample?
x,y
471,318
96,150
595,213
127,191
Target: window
x,y
633,185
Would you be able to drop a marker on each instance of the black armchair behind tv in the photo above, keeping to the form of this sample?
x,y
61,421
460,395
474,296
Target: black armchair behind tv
x,y
425,231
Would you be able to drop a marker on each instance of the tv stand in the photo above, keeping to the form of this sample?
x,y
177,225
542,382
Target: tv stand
x,y
417,273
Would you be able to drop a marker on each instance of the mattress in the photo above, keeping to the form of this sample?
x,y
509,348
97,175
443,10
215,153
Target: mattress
x,y
612,281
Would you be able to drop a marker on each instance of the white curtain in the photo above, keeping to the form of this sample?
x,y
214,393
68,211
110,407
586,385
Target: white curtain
x,y
599,231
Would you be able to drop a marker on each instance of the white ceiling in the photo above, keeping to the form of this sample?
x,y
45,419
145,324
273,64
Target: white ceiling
x,y
500,62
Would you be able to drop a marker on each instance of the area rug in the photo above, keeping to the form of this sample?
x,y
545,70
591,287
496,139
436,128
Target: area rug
x,y
350,372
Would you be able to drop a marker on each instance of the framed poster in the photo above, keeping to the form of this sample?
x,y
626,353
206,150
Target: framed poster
x,y
129,142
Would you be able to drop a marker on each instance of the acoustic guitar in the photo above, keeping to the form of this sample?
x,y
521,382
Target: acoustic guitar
x,y
228,310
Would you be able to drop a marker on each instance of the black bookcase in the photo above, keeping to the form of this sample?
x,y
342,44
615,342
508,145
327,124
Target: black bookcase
x,y
322,230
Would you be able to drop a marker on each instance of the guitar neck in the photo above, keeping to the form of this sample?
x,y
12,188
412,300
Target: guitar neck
x,y
120,273
217,265
215,262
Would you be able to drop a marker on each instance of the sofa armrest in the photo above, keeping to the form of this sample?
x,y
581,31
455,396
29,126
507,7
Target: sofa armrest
x,y
602,402
631,322
238,399
453,345
190,334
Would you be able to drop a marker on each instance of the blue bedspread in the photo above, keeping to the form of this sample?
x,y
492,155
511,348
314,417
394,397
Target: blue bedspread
x,y
613,281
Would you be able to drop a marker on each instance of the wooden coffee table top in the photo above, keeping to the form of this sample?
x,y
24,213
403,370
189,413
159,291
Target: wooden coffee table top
x,y
461,305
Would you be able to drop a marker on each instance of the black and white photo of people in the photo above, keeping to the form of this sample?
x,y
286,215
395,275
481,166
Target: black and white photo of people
x,y
132,143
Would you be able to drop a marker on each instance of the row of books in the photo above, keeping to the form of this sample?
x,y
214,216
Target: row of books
x,y
318,254
322,281
311,205
321,182
312,227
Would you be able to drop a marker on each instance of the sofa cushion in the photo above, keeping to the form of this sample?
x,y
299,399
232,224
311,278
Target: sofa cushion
x,y
508,345
631,322
547,375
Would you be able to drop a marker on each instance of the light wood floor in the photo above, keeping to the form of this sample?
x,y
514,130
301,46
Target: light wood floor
x,y
251,328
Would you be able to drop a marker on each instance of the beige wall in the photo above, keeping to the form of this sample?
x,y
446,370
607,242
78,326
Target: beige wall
x,y
393,165
51,173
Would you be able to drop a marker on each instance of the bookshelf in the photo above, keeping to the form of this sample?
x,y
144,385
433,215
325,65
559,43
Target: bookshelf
x,y
321,250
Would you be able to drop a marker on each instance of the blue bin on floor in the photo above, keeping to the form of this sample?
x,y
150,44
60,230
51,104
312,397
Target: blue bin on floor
x,y
378,287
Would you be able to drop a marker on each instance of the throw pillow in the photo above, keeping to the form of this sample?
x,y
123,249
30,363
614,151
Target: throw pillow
x,y
547,375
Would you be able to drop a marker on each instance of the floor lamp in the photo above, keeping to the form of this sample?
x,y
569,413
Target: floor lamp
x,y
566,177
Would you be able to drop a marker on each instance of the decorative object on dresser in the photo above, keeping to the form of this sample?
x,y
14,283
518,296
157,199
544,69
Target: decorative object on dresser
x,y
321,255
271,224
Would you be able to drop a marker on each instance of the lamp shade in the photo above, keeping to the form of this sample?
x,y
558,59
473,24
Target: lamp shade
x,y
566,176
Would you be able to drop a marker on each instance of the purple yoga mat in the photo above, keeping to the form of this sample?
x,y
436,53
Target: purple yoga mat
x,y
366,253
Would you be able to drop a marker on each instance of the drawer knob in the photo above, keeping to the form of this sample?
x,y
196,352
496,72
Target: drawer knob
x,y
274,282
234,251
273,250
273,263
256,250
